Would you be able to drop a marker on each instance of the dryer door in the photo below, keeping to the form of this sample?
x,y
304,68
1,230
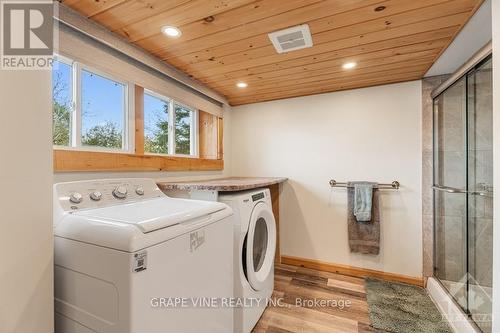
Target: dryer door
x,y
260,245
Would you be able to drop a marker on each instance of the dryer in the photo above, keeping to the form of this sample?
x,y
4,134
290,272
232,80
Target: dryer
x,y
254,251
129,259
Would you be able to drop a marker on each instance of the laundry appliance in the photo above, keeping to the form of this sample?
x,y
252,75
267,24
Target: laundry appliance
x,y
254,252
129,259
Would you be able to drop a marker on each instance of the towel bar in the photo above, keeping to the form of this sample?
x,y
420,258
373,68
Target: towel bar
x,y
392,186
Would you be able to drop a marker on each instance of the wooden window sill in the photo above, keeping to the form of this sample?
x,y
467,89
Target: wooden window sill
x,y
74,160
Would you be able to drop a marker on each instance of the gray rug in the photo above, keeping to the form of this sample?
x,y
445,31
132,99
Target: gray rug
x,y
402,308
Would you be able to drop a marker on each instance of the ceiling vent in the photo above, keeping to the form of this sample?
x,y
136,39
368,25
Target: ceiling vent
x,y
291,39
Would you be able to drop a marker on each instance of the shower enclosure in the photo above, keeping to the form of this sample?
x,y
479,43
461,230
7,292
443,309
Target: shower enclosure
x,y
463,192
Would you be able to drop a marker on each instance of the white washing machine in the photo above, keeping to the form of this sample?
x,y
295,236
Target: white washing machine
x,y
129,259
254,250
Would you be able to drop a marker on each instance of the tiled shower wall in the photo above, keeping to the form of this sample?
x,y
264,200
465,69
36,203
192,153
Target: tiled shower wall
x,y
428,85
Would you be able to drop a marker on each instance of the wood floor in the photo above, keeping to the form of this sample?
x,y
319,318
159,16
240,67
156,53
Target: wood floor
x,y
295,285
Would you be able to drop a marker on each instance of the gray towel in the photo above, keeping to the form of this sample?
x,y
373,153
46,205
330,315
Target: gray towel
x,y
364,237
363,201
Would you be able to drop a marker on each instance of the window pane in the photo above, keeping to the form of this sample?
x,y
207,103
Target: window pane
x,y
183,119
62,102
103,111
155,125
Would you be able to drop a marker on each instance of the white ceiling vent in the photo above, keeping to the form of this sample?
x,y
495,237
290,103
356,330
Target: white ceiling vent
x,y
291,39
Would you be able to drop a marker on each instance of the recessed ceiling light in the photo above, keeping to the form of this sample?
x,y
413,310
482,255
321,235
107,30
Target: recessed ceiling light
x,y
242,84
349,65
171,31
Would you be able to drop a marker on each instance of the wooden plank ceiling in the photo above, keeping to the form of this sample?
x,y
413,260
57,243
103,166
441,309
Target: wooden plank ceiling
x,y
225,41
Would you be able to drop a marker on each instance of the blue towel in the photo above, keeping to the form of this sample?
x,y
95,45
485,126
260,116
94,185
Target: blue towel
x,y
363,193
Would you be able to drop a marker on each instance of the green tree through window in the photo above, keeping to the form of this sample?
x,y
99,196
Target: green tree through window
x,y
61,95
106,135
157,129
183,118
156,112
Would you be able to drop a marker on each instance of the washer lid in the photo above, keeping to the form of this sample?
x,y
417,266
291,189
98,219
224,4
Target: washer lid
x,y
154,214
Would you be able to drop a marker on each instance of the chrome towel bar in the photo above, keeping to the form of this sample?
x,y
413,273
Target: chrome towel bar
x,y
392,186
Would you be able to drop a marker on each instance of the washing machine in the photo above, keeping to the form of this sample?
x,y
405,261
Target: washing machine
x,y
254,250
129,259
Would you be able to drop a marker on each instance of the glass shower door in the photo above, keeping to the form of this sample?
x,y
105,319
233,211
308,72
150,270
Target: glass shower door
x,y
463,192
480,196
450,190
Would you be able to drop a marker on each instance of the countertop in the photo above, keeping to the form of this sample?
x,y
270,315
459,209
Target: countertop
x,y
222,184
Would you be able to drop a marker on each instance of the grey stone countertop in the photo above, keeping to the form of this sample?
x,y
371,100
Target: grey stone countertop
x,y
222,184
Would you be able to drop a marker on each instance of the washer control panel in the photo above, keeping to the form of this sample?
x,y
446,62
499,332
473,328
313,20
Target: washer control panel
x,y
102,193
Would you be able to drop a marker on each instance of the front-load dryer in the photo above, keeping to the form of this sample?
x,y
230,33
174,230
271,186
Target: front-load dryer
x,y
129,259
254,250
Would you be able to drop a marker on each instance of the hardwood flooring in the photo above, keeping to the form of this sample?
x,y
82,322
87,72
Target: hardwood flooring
x,y
344,308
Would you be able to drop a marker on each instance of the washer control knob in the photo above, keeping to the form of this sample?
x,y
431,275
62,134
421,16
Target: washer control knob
x,y
76,197
96,195
120,192
139,190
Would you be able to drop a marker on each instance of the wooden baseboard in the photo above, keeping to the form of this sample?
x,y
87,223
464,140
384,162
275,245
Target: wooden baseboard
x,y
350,270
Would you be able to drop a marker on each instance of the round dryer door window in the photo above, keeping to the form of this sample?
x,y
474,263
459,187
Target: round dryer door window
x,y
260,245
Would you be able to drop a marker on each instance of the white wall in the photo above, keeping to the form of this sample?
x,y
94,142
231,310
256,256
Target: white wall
x,y
26,292
369,134
496,165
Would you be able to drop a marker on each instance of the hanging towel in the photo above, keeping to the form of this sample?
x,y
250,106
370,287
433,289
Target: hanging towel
x,y
363,192
364,237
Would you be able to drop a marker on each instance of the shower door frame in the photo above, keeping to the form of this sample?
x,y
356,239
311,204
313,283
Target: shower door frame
x,y
482,57
451,190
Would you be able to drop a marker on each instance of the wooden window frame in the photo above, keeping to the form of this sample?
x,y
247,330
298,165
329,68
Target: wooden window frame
x,y
71,160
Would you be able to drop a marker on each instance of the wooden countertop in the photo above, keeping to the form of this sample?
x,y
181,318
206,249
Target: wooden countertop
x,y
223,184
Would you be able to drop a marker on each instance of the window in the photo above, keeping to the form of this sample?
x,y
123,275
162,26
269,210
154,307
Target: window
x,y
62,82
183,129
103,111
90,109
94,119
156,119
169,126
